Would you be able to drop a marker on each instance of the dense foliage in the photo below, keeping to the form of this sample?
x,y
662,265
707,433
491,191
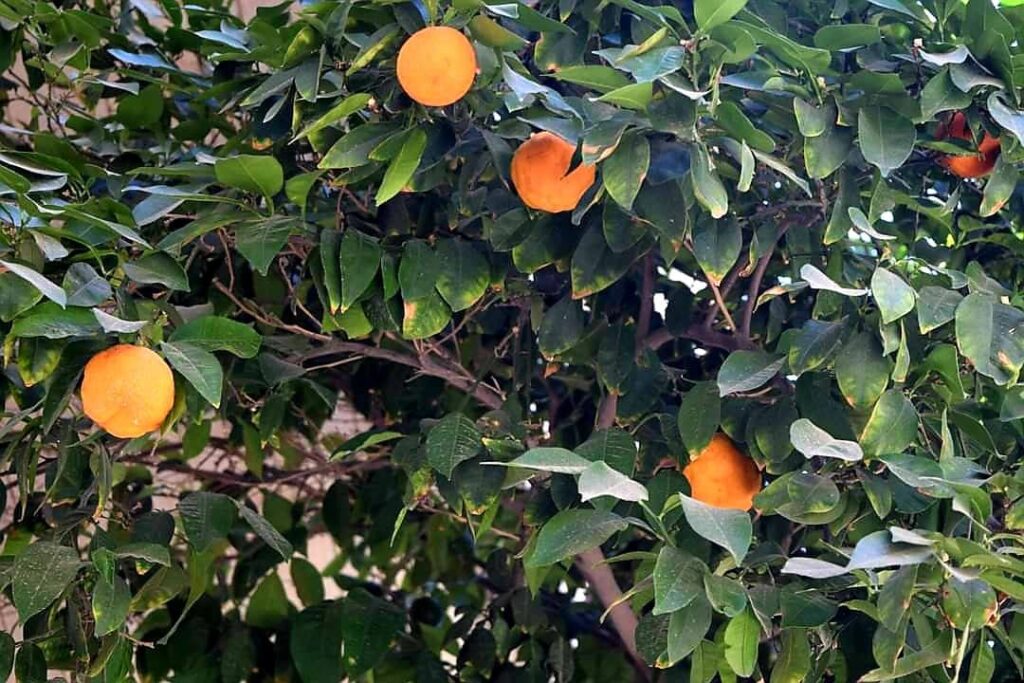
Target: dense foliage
x,y
775,248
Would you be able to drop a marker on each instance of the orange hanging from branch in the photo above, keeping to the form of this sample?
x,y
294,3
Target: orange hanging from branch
x,y
127,390
541,176
436,66
722,476
967,165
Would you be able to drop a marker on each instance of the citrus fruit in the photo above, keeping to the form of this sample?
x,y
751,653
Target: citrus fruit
x,y
436,66
722,476
127,390
967,165
541,176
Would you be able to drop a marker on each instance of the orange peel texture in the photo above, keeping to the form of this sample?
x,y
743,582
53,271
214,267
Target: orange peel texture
x,y
541,176
436,66
127,390
722,476
967,165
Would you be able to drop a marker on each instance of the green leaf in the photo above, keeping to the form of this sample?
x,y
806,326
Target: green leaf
x,y
717,246
110,602
794,662
214,333
935,652
936,306
367,626
403,165
862,371
418,270
207,517
846,36
158,268
550,459
730,529
727,595
6,655
44,286
747,370
595,266
49,320
735,122
707,186
892,425
84,286
895,298
451,441
711,13
41,573
824,154
602,79
353,149
812,120
492,34
598,479
805,609
251,173
30,666
268,605
16,296
315,643
687,628
570,532
613,446
200,367
309,584
968,603
425,317
271,536
812,441
336,114
561,328
260,241
699,416
360,259
813,345
678,580
983,663
464,273
895,597
886,138
363,441
990,335
742,634
633,96
624,171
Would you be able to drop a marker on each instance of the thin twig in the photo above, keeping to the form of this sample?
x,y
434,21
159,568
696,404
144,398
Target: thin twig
x,y
721,305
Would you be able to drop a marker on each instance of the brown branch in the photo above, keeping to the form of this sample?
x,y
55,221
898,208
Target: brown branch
x,y
425,364
721,305
699,334
598,573
753,290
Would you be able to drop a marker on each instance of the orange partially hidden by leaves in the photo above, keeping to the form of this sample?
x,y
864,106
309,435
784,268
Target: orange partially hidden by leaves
x,y
967,165
540,173
722,476
436,66
127,390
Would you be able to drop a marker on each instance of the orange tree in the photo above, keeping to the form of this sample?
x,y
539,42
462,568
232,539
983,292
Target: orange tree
x,y
730,391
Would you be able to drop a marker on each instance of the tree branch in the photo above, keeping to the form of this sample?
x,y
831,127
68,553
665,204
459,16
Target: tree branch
x,y
425,364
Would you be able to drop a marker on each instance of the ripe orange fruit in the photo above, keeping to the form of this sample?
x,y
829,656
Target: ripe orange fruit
x,y
436,66
967,165
127,390
540,174
723,476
